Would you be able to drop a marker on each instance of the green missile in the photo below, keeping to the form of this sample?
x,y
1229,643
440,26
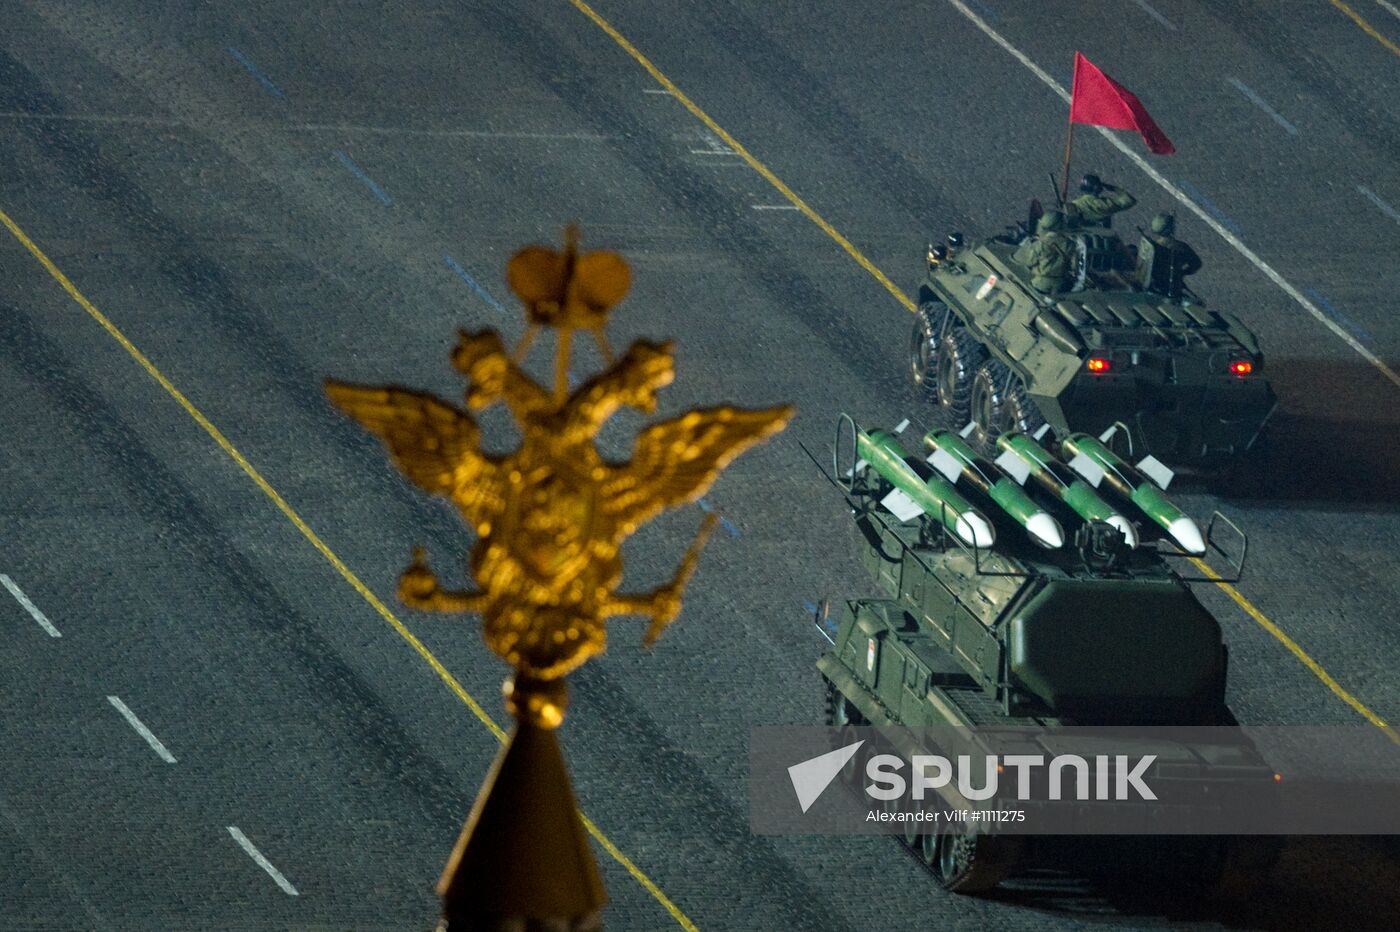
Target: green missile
x,y
958,461
914,495
1022,457
1096,462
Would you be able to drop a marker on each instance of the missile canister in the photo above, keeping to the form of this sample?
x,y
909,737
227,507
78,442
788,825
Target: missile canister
x,y
1128,481
934,496
958,461
1059,481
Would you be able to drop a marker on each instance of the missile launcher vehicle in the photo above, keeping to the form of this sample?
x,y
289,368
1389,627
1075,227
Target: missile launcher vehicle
x,y
1186,380
1019,627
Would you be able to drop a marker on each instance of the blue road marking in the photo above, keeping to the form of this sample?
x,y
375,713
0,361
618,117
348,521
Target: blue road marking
x,y
723,521
1321,301
465,276
359,173
1209,205
253,69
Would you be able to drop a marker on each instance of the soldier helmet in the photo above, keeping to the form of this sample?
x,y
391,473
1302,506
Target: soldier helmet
x,y
1164,224
1052,219
1091,184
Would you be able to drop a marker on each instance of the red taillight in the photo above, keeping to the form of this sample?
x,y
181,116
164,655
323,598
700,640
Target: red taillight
x,y
1098,365
1241,367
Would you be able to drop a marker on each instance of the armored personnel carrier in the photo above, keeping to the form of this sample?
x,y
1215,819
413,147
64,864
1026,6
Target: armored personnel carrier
x,y
994,617
1122,344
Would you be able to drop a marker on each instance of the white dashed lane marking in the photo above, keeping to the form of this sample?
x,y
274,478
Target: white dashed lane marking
x,y
29,606
261,861
1262,104
1375,198
142,730
1152,12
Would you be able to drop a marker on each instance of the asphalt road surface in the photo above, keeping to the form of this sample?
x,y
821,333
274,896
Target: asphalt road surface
x,y
205,722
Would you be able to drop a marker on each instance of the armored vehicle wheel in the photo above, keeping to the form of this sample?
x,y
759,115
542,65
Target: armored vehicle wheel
x,y
956,357
999,403
969,863
1021,411
923,347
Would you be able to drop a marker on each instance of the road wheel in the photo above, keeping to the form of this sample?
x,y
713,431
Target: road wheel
x,y
839,711
912,829
970,863
928,845
958,358
999,403
853,771
923,347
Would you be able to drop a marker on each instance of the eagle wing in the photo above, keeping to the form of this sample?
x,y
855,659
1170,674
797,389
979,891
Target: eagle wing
x,y
677,461
435,444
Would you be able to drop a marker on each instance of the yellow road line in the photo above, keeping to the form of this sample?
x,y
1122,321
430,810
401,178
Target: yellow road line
x,y
1302,655
1366,27
746,155
1327,679
198,416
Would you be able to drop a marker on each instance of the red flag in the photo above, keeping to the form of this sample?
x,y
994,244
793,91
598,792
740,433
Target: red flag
x,y
1098,100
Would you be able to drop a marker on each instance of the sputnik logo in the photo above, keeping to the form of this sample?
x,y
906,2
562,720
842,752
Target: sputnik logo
x,y
1114,778
811,777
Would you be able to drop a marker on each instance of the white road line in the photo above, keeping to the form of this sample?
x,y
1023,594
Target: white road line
x,y
262,862
29,606
1375,198
1262,104
773,206
656,90
1152,12
713,152
1391,8
1269,271
141,729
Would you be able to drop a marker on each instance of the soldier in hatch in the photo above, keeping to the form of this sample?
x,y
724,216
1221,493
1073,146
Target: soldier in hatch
x,y
1096,204
1163,260
1050,255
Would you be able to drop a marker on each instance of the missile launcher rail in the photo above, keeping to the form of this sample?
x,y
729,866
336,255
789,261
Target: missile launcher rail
x,y
1013,555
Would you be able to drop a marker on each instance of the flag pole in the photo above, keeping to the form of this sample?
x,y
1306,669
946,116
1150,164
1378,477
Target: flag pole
x,y
1064,179
1069,134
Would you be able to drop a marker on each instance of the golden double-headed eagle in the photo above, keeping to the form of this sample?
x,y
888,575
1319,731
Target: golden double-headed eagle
x,y
551,517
